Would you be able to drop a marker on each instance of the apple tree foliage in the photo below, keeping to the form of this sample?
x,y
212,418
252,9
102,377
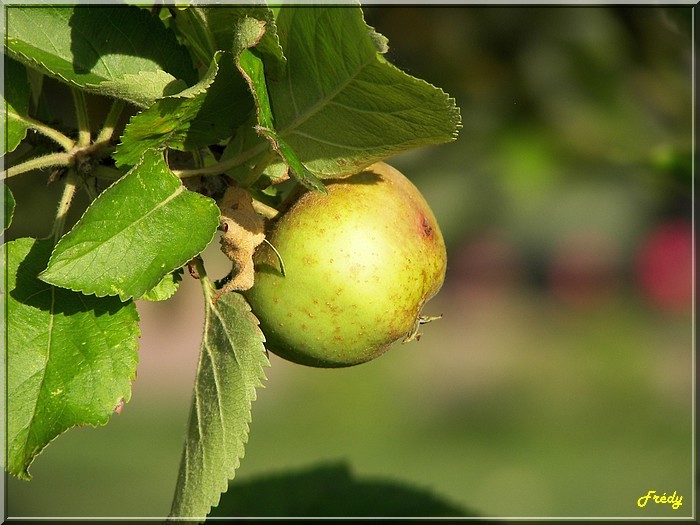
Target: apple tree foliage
x,y
250,95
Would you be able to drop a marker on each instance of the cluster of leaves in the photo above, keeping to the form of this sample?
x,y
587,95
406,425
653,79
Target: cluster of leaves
x,y
251,96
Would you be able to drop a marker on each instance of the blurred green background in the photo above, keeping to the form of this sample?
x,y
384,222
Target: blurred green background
x,y
560,381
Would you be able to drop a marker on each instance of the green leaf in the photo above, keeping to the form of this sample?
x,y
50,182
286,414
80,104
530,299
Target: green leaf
x,y
330,491
120,51
340,105
165,123
137,231
16,104
70,358
251,65
166,288
230,368
206,113
9,207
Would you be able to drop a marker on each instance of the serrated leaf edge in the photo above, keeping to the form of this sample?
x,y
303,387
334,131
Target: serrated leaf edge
x,y
87,86
124,297
381,46
258,379
131,342
100,423
186,94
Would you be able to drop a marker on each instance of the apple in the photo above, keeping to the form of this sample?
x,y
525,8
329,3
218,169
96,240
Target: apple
x,y
353,270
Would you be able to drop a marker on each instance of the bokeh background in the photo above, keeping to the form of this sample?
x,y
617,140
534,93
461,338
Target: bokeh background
x,y
560,381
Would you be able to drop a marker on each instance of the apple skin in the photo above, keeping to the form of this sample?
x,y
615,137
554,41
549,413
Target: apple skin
x,y
360,263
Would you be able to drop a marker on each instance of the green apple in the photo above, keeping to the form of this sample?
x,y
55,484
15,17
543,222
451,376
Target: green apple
x,y
359,264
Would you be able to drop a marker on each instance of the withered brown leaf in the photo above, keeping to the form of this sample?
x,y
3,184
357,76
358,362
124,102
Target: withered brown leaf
x,y
244,230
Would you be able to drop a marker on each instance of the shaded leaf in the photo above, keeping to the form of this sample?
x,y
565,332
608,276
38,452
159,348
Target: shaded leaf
x,y
165,123
120,51
190,24
206,113
330,491
16,104
137,231
226,106
230,368
71,358
252,67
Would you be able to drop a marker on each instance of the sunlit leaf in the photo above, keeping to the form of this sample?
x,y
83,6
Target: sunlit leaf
x,y
121,51
70,358
166,288
340,106
137,231
230,368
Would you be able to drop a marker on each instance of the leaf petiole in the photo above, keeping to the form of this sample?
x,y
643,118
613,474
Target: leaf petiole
x,y
81,115
64,204
37,163
110,122
62,140
201,272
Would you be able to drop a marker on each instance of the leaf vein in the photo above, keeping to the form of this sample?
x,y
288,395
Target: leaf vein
x,y
300,118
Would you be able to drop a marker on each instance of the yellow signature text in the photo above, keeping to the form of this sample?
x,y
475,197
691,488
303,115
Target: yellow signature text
x,y
674,499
